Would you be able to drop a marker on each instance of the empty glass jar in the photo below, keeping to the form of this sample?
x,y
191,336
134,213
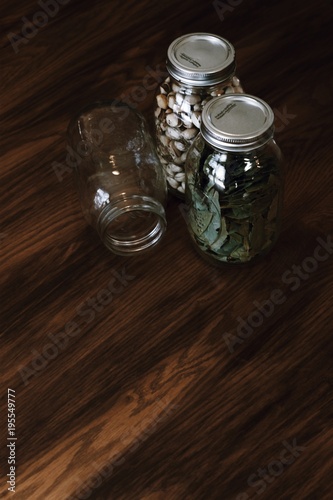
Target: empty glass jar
x,y
234,181
201,66
120,180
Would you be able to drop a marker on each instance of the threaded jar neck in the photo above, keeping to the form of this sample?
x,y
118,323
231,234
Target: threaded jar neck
x,y
131,224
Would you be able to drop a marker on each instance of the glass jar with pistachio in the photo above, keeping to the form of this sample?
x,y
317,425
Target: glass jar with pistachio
x,y
200,66
234,181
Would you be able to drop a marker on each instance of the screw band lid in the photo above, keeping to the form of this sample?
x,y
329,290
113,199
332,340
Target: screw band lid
x,y
201,59
237,122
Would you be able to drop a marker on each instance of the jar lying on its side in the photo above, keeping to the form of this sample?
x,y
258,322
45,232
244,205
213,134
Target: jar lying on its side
x,y
200,66
119,178
234,181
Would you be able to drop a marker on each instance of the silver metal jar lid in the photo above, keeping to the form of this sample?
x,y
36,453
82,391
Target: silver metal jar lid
x,y
201,59
237,122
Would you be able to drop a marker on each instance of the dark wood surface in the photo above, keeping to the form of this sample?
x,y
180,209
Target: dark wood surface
x,y
151,393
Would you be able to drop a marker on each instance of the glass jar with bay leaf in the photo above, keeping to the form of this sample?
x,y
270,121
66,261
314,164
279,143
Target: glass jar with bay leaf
x,y
234,180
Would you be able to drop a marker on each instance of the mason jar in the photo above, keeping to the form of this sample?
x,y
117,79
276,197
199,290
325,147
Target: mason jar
x,y
234,181
200,66
119,178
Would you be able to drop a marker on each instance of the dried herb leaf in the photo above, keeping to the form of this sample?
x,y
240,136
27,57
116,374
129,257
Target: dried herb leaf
x,y
235,203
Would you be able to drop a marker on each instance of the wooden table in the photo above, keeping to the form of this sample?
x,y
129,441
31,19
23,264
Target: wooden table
x,y
187,381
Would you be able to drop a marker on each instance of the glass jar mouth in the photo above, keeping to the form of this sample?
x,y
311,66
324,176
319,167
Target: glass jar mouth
x,y
131,225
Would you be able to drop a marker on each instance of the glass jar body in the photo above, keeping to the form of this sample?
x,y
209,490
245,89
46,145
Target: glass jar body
x,y
234,200
119,178
177,112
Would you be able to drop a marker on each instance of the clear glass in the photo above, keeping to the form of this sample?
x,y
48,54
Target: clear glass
x,y
120,180
177,122
234,201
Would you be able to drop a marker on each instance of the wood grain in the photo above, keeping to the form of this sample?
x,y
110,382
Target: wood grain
x,y
155,392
